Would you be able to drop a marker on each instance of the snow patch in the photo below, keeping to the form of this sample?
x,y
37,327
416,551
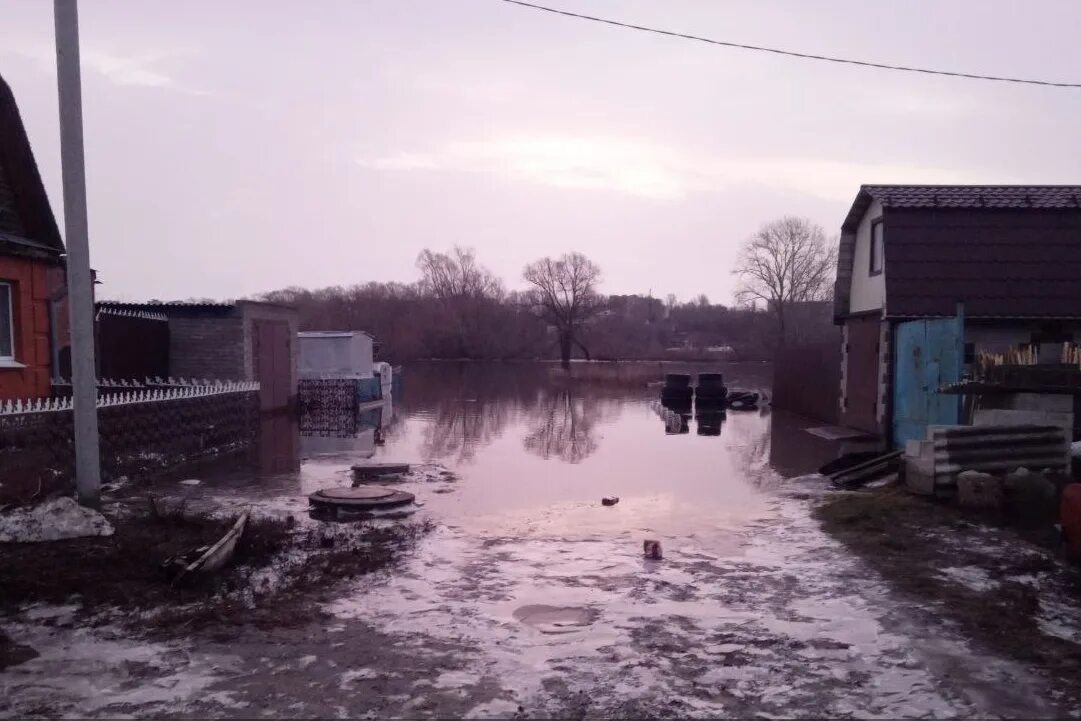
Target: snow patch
x,y
971,577
52,521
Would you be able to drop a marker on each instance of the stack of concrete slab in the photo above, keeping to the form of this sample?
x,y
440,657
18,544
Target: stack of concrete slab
x,y
933,465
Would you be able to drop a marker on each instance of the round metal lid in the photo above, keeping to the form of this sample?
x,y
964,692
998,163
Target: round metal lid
x,y
362,497
380,469
358,493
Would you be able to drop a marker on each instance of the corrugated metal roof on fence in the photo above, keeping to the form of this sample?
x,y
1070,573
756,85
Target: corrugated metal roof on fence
x,y
162,305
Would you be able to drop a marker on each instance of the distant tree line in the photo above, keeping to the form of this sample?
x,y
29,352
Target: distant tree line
x,y
458,308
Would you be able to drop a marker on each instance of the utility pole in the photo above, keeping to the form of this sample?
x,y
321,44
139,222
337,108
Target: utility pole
x,y
80,283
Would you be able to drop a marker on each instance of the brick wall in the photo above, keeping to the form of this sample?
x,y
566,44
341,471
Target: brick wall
x,y
30,309
212,347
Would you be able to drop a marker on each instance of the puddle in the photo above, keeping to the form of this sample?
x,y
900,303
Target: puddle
x,y
555,619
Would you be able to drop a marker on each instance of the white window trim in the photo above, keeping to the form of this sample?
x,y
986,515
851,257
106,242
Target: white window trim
x,y
878,248
8,361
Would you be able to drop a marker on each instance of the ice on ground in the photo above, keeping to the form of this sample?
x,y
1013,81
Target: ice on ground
x,y
1059,620
52,521
972,577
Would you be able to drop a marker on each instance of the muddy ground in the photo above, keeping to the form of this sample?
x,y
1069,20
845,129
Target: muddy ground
x,y
281,570
1003,581
529,618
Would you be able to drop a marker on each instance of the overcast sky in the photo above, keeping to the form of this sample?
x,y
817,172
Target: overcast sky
x,y
238,147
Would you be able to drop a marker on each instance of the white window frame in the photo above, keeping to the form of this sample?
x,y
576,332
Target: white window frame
x,y
9,359
878,248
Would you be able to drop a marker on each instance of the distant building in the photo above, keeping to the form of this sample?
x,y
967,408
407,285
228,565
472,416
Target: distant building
x,y
33,309
326,354
1009,256
245,340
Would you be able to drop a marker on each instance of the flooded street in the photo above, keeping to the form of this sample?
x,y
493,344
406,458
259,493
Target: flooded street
x,y
531,598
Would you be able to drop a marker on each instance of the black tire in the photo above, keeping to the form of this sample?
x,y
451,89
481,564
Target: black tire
x,y
710,380
677,395
677,380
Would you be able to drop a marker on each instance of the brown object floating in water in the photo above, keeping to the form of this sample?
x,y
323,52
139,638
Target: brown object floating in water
x,y
652,549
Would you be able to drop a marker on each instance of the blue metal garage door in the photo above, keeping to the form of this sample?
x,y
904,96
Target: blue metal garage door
x,y
928,353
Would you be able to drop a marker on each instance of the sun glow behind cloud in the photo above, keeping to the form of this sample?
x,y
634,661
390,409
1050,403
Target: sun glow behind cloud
x,y
648,170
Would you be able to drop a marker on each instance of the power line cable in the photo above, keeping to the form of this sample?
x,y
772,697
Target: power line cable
x,y
790,53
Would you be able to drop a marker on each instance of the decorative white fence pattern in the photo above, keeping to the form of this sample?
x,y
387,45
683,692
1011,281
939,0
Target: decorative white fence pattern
x,y
147,382
128,313
138,395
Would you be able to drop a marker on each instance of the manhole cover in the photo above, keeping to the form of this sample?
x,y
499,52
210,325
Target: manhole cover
x,y
357,493
374,470
360,498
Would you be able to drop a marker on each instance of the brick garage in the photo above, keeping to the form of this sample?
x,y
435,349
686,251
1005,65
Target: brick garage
x,y
245,340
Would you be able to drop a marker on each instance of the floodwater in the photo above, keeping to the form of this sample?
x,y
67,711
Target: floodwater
x,y
530,597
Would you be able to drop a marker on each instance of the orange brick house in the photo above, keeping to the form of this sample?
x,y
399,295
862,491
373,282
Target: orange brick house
x,y
32,282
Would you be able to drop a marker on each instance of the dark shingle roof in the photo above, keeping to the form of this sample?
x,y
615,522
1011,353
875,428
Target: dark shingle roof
x,y
1006,251
21,171
963,196
977,196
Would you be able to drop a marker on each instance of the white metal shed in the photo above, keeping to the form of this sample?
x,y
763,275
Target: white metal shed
x,y
335,354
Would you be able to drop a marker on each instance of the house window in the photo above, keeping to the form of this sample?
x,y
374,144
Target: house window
x,y
876,247
7,323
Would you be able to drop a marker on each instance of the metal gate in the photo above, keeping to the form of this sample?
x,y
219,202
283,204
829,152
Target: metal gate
x,y
928,354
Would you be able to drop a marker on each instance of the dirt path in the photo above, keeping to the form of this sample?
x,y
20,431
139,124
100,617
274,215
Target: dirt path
x,y
768,619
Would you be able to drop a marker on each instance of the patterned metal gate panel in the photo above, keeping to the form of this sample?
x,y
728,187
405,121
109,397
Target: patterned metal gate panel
x,y
328,406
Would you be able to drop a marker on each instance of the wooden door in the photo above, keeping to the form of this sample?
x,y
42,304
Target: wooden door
x,y
271,361
862,380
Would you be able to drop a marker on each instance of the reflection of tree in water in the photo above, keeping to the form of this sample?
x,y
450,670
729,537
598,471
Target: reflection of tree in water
x,y
466,405
563,426
459,428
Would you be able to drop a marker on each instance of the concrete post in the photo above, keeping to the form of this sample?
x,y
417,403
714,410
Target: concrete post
x,y
80,288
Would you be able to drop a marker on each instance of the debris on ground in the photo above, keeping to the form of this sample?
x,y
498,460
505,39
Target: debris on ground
x,y
52,520
278,570
206,559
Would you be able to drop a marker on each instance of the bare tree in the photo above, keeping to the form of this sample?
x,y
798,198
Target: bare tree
x,y
564,293
787,261
467,292
456,275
